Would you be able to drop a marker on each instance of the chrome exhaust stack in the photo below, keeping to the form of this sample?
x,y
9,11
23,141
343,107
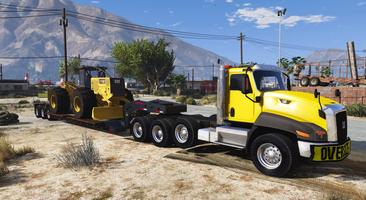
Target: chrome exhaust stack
x,y
221,96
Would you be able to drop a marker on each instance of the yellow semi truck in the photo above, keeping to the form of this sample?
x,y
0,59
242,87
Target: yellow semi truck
x,y
256,111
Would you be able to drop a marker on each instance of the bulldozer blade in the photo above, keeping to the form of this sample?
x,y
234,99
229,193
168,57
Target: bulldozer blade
x,y
103,113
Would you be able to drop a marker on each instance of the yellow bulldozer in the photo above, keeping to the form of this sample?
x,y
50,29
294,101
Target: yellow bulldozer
x,y
96,96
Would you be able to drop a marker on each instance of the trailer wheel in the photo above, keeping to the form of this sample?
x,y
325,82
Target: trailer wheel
x,y
314,81
273,154
83,102
59,100
185,132
139,128
161,130
37,111
44,112
304,81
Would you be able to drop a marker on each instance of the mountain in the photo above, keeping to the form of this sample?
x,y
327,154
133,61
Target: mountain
x,y
326,55
42,36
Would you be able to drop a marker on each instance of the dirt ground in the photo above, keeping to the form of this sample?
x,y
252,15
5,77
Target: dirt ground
x,y
132,170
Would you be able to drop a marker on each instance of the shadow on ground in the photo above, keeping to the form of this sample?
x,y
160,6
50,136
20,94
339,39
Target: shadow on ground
x,y
238,159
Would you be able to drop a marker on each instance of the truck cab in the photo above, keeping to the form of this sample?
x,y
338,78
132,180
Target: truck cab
x,y
258,111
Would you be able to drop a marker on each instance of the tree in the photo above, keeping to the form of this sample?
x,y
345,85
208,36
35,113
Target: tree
x,y
298,64
73,66
177,81
326,71
148,62
286,65
295,66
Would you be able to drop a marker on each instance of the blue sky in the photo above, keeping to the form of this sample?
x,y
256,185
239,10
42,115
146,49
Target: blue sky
x,y
315,23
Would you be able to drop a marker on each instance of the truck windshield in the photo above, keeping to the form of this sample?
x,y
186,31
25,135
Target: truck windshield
x,y
268,80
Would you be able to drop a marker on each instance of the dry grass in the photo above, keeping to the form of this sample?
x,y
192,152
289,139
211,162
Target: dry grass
x,y
75,156
8,152
104,195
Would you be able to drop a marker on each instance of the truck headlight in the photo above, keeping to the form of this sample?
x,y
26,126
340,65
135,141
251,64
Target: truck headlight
x,y
285,101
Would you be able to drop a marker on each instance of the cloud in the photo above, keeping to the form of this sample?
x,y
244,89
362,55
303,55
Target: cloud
x,y
246,4
209,1
361,3
265,17
171,12
95,2
229,1
176,24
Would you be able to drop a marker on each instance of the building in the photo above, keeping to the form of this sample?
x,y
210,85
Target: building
x,y
13,86
204,86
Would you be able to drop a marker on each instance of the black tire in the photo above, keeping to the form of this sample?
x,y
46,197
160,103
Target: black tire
x,y
189,138
314,81
277,143
304,81
83,102
44,112
37,111
166,127
59,100
129,95
140,129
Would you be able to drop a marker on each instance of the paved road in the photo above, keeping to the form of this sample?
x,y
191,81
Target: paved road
x,y
356,127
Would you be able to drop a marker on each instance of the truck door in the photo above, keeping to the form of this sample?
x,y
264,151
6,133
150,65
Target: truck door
x,y
240,106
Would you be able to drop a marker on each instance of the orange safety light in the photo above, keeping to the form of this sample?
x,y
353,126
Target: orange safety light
x,y
227,66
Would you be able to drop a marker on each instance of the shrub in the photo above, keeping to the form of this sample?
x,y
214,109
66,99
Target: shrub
x,y
23,102
181,99
208,99
73,156
158,93
43,95
357,110
191,101
8,152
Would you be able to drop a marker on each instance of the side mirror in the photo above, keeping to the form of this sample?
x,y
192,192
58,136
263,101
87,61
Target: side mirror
x,y
288,82
258,99
316,93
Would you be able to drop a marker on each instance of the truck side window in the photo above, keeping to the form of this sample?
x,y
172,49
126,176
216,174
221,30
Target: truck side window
x,y
240,82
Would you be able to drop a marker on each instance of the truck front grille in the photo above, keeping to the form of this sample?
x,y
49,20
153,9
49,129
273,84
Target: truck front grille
x,y
341,119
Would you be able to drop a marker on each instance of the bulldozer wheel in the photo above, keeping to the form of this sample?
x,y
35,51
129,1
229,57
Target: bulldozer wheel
x,y
83,102
59,100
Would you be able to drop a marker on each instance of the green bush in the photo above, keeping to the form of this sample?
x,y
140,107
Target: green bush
x,y
208,99
191,101
43,95
23,102
181,99
357,110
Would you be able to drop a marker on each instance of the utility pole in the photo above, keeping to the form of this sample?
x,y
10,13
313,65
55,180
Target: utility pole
x,y
192,78
64,22
352,59
241,48
1,71
280,13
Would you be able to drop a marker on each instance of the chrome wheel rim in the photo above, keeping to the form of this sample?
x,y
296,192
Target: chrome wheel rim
x,y
137,129
269,156
157,133
181,133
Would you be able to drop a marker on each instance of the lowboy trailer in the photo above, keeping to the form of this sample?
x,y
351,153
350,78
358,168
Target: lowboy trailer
x,y
256,111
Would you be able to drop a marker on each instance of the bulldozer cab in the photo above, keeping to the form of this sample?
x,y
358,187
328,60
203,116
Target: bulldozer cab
x,y
87,72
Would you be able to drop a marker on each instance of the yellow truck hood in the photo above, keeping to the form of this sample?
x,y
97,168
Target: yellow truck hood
x,y
299,106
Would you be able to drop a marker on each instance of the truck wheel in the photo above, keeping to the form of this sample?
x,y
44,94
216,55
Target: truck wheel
x,y
304,81
44,112
161,130
37,111
140,128
314,81
59,100
185,132
83,102
273,154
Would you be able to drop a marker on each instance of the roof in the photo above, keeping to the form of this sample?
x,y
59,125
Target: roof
x,y
13,81
267,68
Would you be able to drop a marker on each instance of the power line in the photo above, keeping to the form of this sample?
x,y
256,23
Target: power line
x,y
28,16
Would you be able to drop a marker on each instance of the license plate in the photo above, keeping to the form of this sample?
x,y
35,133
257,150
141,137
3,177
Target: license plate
x,y
331,152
